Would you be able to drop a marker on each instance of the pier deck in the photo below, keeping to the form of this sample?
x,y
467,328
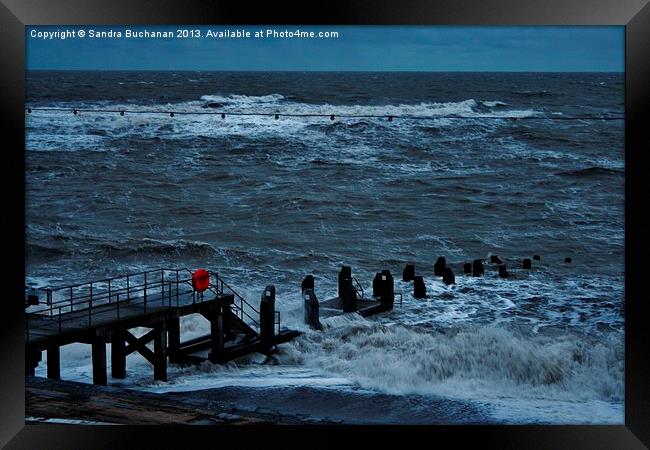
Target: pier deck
x,y
105,311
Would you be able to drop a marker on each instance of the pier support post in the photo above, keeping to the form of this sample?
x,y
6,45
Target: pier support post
x,y
160,352
527,264
174,338
494,259
267,317
216,335
477,268
307,283
53,363
448,276
344,274
32,358
387,296
99,360
118,354
376,285
467,268
439,266
419,289
408,273
311,310
503,271
348,295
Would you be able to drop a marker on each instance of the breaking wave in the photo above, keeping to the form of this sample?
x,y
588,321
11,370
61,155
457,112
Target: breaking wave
x,y
465,362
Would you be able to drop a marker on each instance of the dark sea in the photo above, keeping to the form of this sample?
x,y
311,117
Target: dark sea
x,y
268,201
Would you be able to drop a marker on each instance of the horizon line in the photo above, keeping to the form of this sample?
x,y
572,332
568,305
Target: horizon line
x,y
320,71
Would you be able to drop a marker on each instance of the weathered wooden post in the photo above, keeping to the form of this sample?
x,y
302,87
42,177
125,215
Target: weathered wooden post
x,y
345,273
568,260
503,271
307,283
387,295
216,335
376,285
494,259
477,268
53,363
311,309
439,266
267,316
419,289
160,352
118,353
537,257
467,268
348,296
99,358
174,339
448,276
527,264
32,358
409,272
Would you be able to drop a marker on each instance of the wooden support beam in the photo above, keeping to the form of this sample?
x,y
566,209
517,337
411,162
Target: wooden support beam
x,y
136,344
139,345
174,338
118,353
53,363
160,352
99,361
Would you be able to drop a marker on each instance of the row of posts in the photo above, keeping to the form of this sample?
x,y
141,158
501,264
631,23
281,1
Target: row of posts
x,y
474,268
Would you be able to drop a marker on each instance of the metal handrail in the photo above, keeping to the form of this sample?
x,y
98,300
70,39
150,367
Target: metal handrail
x,y
62,317
128,288
359,286
221,284
154,289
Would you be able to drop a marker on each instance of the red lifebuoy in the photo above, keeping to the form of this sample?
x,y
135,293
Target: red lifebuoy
x,y
200,280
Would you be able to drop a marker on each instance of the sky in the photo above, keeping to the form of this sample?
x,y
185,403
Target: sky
x,y
357,48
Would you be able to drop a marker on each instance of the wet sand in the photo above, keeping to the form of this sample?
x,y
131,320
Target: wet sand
x,y
49,401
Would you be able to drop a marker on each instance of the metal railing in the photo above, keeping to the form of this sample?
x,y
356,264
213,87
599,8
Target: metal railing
x,y
127,295
240,305
359,288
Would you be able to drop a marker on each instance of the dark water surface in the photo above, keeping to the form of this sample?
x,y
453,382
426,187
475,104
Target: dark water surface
x,y
267,201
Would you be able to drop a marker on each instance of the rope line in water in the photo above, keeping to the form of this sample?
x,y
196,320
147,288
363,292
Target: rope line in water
x,y
277,115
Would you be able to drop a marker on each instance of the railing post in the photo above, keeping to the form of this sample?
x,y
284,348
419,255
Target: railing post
x,y
145,292
109,291
118,306
128,290
177,282
162,287
71,307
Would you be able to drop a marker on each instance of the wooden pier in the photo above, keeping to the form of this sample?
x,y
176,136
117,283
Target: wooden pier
x,y
101,312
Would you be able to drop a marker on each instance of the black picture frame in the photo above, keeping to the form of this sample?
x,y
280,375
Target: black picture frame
x,y
633,14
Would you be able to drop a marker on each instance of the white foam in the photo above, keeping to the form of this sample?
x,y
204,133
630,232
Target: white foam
x,y
51,130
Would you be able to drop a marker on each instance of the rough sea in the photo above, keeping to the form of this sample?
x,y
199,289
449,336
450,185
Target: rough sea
x,y
268,201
